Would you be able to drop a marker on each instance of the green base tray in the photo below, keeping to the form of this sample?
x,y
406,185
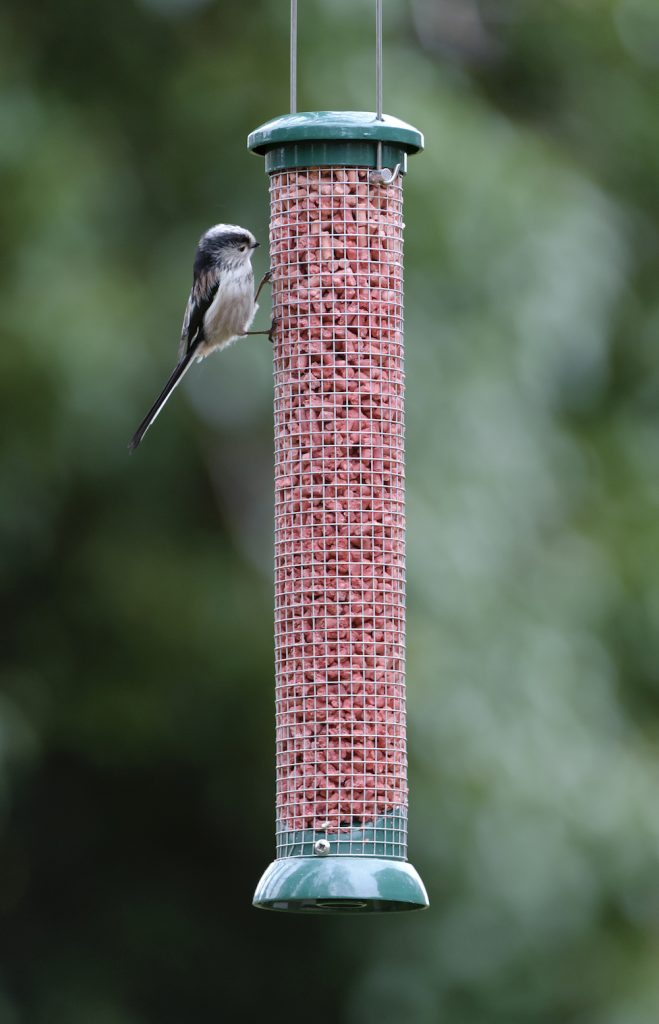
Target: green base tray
x,y
340,885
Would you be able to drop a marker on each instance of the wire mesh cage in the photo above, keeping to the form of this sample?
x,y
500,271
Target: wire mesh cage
x,y
336,262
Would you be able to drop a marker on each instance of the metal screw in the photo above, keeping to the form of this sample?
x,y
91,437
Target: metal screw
x,y
321,847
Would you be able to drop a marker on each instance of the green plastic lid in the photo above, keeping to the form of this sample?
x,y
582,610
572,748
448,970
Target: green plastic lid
x,y
322,137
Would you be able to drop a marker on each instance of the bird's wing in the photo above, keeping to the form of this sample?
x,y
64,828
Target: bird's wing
x,y
192,332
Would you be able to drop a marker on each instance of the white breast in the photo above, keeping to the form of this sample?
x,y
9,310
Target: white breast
x,y
232,310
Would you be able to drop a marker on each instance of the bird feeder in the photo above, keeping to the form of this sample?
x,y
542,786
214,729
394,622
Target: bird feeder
x,y
336,252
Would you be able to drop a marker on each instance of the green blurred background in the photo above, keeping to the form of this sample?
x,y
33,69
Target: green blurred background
x,y
136,715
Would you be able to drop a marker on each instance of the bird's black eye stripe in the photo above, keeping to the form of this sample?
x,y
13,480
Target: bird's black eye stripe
x,y
233,239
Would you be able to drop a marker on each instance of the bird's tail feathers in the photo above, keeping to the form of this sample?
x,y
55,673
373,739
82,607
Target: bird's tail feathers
x,y
175,378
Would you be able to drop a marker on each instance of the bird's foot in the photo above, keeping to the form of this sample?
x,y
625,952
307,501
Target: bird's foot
x,y
270,332
266,279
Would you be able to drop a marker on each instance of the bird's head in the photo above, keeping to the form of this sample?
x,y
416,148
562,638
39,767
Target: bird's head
x,y
224,246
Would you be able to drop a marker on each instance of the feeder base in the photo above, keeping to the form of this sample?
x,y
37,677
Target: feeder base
x,y
340,885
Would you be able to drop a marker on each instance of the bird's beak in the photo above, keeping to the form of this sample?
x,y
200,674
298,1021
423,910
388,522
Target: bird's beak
x,y
256,245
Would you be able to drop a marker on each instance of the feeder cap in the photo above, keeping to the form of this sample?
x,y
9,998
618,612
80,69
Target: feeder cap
x,y
334,126
322,138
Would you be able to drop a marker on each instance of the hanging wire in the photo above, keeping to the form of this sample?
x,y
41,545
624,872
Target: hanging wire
x,y
378,60
293,75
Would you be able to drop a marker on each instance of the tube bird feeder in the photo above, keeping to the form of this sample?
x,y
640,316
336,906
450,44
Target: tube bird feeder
x,y
336,250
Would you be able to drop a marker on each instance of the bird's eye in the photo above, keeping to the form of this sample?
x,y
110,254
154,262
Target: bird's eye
x,y
242,248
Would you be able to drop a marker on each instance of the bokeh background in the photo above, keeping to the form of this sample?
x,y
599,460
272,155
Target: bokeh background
x,y
136,714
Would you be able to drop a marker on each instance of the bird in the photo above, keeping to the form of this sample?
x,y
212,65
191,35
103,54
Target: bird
x,y
220,309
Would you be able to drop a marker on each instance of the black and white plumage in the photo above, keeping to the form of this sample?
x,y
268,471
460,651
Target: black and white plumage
x,y
220,308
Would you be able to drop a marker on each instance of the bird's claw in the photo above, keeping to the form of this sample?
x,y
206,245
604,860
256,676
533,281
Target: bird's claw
x,y
272,331
266,279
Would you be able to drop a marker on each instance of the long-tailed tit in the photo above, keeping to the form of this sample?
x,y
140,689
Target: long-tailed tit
x,y
220,309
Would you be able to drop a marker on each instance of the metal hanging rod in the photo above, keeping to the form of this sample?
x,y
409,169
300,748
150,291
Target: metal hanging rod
x,y
378,59
293,56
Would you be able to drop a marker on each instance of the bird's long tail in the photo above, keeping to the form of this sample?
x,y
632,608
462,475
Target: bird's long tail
x,y
176,377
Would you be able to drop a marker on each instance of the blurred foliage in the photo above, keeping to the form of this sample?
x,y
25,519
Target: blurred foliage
x,y
136,718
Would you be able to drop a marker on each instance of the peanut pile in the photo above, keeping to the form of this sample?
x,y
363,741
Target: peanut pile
x,y
336,257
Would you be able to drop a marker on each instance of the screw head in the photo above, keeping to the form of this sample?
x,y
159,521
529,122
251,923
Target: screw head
x,y
321,847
